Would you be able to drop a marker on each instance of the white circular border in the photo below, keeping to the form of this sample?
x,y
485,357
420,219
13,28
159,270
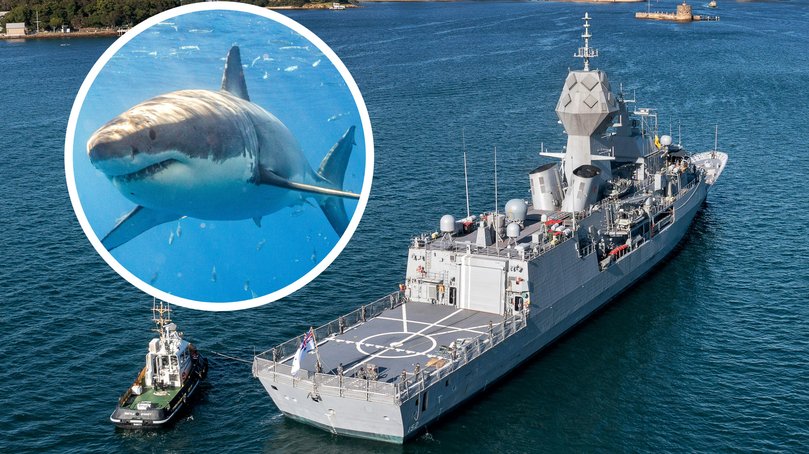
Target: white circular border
x,y
366,185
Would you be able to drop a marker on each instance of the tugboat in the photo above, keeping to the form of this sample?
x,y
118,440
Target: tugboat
x,y
173,371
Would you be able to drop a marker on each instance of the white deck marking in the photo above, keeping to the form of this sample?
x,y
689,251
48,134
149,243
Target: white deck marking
x,y
383,347
404,318
431,325
370,357
471,329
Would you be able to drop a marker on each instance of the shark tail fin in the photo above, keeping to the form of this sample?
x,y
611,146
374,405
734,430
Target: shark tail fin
x,y
133,224
332,170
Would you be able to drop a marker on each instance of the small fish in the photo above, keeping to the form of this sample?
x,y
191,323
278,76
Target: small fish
x,y
255,60
314,256
253,294
291,68
246,286
337,116
213,274
179,231
153,279
261,244
171,238
266,75
315,64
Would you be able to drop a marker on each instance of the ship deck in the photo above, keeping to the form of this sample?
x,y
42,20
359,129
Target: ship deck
x,y
398,339
160,398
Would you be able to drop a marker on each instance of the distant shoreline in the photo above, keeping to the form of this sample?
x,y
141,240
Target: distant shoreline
x,y
94,33
312,6
537,1
112,33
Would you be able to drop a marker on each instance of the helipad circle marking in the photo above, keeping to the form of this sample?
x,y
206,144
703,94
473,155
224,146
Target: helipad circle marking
x,y
404,335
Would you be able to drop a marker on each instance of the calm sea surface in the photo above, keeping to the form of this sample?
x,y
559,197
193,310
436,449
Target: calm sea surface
x,y
709,354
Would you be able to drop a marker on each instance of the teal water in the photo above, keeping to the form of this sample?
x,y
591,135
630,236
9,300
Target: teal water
x,y
707,355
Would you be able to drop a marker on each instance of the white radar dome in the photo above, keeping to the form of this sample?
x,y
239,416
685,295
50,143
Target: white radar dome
x,y
513,230
516,210
447,223
665,140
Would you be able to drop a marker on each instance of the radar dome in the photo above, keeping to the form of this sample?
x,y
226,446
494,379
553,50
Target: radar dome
x,y
447,223
516,210
665,140
513,229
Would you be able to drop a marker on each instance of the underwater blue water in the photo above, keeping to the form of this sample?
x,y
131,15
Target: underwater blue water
x,y
212,260
709,354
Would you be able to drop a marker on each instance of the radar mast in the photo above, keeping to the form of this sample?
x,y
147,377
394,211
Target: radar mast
x,y
586,52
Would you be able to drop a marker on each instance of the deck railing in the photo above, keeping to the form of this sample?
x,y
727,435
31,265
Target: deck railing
x,y
284,351
270,363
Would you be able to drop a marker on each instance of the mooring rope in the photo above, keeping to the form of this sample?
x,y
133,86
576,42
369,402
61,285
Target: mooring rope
x,y
233,358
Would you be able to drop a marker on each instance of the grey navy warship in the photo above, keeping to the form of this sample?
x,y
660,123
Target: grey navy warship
x,y
485,293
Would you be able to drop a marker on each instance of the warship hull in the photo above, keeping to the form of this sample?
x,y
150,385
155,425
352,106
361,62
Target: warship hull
x,y
378,416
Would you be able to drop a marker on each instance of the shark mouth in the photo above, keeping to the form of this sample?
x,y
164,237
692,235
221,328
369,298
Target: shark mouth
x,y
146,172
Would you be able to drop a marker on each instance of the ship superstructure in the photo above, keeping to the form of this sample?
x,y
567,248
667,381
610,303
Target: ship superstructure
x,y
485,292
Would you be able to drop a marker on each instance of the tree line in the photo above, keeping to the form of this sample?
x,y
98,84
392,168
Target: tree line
x,y
99,13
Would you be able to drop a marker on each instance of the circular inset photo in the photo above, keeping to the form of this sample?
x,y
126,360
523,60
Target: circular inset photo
x,y
219,156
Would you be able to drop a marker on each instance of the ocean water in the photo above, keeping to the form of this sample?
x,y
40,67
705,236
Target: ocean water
x,y
210,259
709,354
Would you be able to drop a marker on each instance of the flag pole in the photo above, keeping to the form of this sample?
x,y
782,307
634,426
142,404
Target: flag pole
x,y
318,366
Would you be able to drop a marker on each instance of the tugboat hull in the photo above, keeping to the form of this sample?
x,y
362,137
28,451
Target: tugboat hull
x,y
155,409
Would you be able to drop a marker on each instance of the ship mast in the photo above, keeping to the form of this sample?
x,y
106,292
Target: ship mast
x,y
586,52
161,315
465,174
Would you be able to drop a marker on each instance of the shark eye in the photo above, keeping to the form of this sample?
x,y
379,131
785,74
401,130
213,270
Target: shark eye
x,y
152,134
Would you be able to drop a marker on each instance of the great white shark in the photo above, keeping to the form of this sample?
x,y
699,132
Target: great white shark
x,y
212,155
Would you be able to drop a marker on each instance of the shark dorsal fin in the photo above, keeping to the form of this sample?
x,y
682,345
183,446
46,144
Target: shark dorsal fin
x,y
233,78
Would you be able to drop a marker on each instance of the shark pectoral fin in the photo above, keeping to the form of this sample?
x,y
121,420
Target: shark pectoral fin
x,y
270,178
133,224
233,77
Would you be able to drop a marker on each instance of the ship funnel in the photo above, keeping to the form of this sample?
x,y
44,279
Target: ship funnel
x,y
546,189
583,190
